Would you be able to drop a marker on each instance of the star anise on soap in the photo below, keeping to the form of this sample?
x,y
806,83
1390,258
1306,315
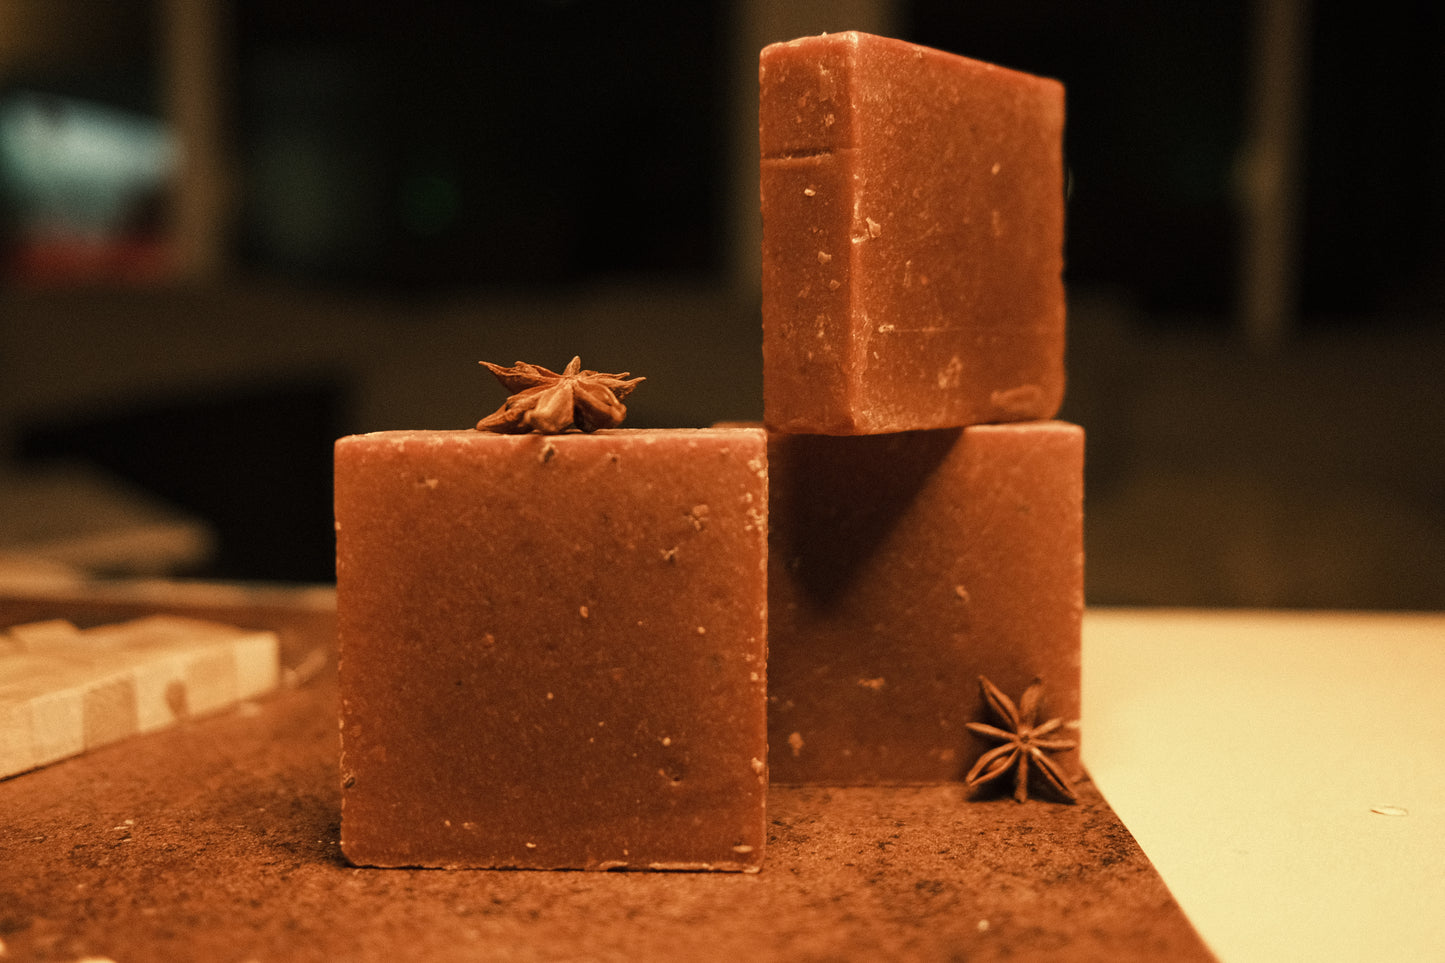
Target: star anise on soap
x,y
550,403
1024,744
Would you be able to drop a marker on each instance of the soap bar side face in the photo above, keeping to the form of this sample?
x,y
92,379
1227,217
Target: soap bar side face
x,y
809,349
903,568
553,649
935,184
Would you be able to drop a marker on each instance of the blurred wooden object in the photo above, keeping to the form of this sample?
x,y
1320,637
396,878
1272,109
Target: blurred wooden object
x,y
44,34
204,199
302,617
186,41
71,516
1271,173
65,690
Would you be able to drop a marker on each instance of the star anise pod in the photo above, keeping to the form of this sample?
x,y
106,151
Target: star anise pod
x,y
1023,744
550,403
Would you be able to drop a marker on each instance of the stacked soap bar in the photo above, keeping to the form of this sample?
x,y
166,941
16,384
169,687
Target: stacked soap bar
x,y
553,648
64,690
926,514
912,238
904,566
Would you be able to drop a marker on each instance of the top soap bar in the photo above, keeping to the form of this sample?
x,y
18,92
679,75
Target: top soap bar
x,y
913,230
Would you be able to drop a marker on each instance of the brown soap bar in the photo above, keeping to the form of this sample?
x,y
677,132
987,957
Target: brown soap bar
x,y
904,567
553,648
913,229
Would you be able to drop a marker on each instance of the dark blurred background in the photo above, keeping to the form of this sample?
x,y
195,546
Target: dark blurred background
x,y
232,230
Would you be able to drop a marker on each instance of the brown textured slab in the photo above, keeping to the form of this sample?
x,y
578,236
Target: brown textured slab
x,y
902,568
913,225
553,648
218,841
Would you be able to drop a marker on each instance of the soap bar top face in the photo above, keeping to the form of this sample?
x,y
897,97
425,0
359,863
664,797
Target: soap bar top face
x,y
553,648
913,231
964,558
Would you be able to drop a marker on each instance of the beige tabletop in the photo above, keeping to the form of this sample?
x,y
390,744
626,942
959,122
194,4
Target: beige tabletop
x,y
1284,771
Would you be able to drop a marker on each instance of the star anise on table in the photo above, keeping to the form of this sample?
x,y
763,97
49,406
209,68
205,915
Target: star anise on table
x,y
1023,744
551,403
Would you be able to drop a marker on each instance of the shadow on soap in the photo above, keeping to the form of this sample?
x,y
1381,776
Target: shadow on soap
x,y
846,495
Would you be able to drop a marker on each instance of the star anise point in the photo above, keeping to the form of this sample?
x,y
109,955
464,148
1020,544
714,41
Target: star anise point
x,y
549,402
1021,745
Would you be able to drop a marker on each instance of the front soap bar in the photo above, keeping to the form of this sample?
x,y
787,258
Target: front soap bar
x,y
553,648
903,568
913,230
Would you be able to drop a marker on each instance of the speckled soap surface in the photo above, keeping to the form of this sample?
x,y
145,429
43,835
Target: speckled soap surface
x,y
904,567
913,232
553,648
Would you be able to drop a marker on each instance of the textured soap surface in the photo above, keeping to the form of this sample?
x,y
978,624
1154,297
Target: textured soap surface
x,y
913,232
903,568
553,648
